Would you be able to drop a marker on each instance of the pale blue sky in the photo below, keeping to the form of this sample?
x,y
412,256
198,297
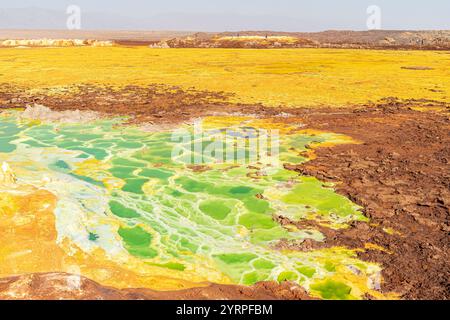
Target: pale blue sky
x,y
289,15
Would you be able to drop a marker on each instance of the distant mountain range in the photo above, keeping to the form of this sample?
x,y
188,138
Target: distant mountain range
x,y
38,18
35,23
41,18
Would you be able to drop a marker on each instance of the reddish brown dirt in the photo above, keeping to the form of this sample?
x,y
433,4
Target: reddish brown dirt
x,y
399,174
60,286
134,43
151,104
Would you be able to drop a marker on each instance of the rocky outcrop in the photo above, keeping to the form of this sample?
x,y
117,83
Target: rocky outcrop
x,y
251,42
54,43
374,39
6,174
40,112
160,45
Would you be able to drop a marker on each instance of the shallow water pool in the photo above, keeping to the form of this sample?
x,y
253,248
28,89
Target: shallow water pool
x,y
162,202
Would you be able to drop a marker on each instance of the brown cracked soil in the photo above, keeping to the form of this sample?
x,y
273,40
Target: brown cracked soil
x,y
154,104
61,286
399,174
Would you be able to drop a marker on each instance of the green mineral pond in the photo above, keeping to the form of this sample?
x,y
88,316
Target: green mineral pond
x,y
127,191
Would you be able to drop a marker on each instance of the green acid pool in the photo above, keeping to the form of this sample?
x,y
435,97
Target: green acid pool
x,y
157,198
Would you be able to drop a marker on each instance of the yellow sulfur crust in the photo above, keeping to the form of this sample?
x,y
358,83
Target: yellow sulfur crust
x,y
290,77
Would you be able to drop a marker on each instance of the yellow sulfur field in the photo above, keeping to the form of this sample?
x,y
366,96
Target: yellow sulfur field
x,y
291,77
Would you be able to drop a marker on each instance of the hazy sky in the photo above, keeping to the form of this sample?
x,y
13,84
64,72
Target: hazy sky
x,y
289,15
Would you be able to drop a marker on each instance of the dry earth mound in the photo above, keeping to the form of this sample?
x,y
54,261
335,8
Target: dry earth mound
x,y
375,39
